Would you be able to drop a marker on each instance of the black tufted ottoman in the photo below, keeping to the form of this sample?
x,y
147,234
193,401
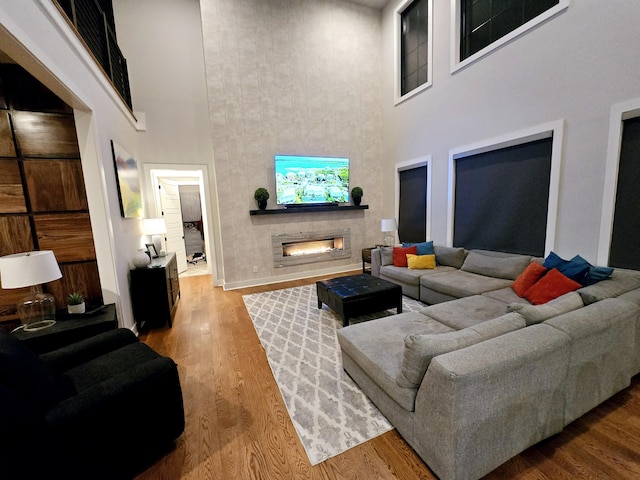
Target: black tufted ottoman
x,y
357,295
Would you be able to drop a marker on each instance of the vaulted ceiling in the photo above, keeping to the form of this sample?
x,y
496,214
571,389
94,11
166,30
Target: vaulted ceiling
x,y
371,3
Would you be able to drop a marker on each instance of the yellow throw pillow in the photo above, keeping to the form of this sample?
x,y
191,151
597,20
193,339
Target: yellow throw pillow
x,y
418,262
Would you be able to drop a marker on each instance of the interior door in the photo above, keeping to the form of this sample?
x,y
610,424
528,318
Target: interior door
x,y
172,214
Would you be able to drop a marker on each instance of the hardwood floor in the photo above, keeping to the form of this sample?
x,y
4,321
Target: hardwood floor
x,y
237,426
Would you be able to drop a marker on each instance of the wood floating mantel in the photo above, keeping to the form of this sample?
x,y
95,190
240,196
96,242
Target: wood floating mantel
x,y
309,208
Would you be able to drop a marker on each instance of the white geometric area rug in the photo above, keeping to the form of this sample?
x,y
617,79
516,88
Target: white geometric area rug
x,y
330,413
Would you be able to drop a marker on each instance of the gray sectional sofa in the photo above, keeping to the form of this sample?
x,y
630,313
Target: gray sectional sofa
x,y
480,374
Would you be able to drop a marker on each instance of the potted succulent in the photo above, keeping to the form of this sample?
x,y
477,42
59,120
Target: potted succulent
x,y
75,303
261,195
356,194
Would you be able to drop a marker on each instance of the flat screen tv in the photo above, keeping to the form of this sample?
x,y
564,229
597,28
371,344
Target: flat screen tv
x,y
304,180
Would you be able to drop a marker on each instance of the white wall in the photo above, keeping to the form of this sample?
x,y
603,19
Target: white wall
x,y
34,33
294,77
573,67
162,41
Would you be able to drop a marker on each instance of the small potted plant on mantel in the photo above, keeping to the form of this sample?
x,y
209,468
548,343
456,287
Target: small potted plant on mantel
x,y
75,303
356,194
261,195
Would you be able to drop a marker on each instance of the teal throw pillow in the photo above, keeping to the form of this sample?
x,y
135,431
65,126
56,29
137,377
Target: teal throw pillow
x,y
424,248
594,274
578,269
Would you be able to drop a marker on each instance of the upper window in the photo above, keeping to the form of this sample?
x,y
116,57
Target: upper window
x,y
485,21
414,52
484,25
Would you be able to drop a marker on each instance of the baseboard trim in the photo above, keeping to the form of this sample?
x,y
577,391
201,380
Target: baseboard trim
x,y
291,276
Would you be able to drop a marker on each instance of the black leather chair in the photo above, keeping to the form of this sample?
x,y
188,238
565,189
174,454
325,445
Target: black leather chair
x,y
105,408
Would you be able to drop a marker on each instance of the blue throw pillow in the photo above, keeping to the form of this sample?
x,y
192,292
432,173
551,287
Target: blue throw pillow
x,y
553,261
578,269
594,274
424,248
597,274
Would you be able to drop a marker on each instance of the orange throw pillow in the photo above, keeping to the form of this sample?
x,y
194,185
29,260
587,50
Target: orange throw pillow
x,y
528,278
400,255
551,286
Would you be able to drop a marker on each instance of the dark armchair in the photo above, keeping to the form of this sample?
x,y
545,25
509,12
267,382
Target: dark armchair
x,y
105,408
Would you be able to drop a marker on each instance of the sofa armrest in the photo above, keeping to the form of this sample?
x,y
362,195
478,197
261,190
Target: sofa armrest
x,y
140,388
479,406
81,352
376,261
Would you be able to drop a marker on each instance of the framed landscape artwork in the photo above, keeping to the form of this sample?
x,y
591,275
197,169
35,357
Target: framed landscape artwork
x,y
128,182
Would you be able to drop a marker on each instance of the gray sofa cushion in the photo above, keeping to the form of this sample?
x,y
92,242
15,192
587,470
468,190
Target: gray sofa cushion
x,y
506,295
492,400
621,281
539,313
466,312
386,256
460,284
412,277
632,296
420,349
450,256
377,347
492,266
601,355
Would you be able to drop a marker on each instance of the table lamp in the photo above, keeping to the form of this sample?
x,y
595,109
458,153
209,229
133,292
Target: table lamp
x,y
31,269
388,226
154,227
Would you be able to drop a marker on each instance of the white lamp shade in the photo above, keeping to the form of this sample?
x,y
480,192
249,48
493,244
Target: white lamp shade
x,y
28,269
153,226
388,225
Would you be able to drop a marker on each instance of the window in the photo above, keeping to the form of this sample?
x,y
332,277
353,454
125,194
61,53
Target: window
x,y
503,192
502,198
485,21
481,26
414,52
626,220
412,211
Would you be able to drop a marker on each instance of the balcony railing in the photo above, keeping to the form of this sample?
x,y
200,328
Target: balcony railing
x,y
94,28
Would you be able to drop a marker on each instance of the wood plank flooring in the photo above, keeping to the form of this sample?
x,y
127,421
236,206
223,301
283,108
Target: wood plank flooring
x,y
237,426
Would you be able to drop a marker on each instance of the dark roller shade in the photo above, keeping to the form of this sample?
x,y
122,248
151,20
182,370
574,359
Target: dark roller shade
x,y
501,199
412,216
625,237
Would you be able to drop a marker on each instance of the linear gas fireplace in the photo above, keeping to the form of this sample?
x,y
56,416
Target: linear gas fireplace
x,y
310,247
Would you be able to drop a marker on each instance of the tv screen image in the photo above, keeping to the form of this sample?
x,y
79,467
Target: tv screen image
x,y
304,180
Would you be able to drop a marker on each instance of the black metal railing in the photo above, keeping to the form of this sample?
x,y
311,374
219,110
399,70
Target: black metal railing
x,y
95,28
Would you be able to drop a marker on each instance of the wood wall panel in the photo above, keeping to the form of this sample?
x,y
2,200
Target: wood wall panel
x,y
3,100
77,277
43,203
7,146
55,185
46,135
8,301
15,235
27,93
69,236
12,198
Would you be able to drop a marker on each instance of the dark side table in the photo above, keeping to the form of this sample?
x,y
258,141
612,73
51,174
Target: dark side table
x,y
70,328
366,258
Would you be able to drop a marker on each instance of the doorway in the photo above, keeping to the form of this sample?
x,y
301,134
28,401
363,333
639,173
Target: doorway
x,y
192,225
168,186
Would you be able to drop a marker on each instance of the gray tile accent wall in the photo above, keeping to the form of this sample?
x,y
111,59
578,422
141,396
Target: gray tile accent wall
x,y
293,77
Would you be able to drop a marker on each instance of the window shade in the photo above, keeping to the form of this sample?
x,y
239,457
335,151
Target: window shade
x,y
501,199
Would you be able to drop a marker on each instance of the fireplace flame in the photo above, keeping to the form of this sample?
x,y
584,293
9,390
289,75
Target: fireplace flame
x,y
311,247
